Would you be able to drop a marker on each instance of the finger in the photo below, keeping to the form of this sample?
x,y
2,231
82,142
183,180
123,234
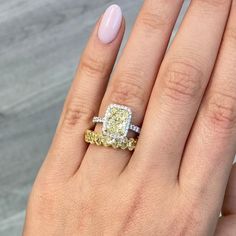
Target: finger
x,y
179,88
85,96
135,74
211,146
226,226
229,205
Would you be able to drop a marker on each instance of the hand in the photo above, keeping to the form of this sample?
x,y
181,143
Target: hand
x,y
174,182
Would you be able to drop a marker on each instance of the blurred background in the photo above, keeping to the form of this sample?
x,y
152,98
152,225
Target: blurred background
x,y
40,46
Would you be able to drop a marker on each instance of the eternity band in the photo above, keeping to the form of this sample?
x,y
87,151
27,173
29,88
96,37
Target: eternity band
x,y
99,139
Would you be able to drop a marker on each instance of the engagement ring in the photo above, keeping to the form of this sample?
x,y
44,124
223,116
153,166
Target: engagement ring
x,y
116,125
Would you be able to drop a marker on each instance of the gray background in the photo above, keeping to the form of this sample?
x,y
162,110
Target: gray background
x,y
40,45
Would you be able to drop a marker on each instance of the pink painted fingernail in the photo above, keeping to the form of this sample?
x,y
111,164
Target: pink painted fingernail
x,y
110,24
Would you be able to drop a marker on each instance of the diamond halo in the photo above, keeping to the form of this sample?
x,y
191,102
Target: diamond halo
x,y
117,123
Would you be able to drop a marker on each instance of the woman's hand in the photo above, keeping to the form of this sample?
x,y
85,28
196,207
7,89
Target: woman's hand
x,y
185,99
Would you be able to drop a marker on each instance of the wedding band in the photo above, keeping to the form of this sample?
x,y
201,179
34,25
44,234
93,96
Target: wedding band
x,y
115,127
99,139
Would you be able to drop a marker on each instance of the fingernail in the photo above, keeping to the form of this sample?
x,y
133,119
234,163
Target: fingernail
x,y
110,24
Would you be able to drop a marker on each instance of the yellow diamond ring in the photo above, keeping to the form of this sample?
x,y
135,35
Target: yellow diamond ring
x,y
116,125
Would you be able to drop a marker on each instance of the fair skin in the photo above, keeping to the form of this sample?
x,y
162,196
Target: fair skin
x,y
175,181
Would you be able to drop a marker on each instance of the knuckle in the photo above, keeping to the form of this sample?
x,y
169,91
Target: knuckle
x,y
186,219
128,90
184,224
46,206
215,3
191,221
134,209
46,196
182,81
221,111
75,115
153,21
92,66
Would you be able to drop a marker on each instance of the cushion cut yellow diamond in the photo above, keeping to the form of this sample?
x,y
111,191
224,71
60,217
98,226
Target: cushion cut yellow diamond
x,y
117,121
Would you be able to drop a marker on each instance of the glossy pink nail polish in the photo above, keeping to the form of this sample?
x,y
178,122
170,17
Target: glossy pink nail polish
x,y
110,24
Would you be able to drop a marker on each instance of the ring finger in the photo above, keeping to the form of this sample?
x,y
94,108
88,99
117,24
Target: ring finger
x,y
133,78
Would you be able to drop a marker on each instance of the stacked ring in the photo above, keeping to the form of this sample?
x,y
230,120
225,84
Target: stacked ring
x,y
99,139
116,125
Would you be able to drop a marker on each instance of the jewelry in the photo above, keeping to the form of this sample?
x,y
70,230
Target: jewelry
x,y
118,119
99,139
116,125
134,128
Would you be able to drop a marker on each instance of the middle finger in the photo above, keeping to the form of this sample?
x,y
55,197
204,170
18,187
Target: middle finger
x,y
178,92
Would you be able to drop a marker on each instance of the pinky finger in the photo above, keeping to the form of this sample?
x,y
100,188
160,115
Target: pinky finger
x,y
85,95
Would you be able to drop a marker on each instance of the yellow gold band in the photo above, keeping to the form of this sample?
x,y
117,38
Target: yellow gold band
x,y
99,139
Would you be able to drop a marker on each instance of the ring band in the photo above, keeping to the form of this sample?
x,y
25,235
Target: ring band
x,y
115,127
99,139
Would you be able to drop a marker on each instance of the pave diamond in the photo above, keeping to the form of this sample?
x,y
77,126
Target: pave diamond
x,y
117,121
98,120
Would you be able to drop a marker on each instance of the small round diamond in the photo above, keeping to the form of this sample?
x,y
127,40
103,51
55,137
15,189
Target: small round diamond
x,y
124,145
131,144
88,136
98,140
115,145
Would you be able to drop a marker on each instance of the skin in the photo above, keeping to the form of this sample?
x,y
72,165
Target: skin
x,y
175,181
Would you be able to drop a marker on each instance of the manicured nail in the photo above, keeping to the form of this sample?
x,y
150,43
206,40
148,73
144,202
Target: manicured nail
x,y
110,24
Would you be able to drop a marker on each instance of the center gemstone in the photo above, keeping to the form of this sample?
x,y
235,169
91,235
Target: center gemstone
x,y
117,121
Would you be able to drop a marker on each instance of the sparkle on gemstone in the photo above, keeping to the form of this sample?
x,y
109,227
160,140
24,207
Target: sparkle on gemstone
x,y
117,121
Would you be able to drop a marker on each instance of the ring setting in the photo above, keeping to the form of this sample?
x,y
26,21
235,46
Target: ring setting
x,y
116,125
